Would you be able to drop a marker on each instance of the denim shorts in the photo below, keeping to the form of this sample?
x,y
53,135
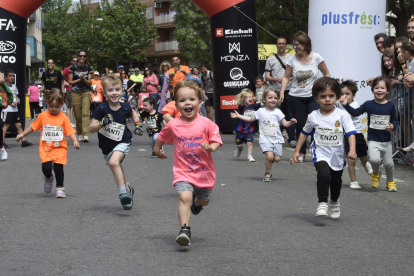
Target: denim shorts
x,y
203,193
122,147
276,148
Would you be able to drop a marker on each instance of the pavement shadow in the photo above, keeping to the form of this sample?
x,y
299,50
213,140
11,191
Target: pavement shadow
x,y
170,240
316,221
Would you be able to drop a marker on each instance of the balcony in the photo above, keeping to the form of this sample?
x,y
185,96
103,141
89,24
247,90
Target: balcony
x,y
164,18
33,17
166,46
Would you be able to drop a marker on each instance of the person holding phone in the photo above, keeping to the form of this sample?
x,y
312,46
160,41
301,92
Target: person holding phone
x,y
178,72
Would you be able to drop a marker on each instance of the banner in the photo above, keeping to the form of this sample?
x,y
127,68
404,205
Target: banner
x,y
343,33
267,50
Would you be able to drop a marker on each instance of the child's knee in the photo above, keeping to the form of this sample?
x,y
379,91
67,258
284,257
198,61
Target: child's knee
x,y
186,197
114,163
250,144
351,162
277,158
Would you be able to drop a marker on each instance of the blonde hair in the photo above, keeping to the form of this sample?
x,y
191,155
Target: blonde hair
x,y
239,97
188,84
267,91
112,79
168,65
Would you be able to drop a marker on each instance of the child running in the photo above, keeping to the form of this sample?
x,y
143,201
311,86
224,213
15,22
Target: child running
x,y
245,130
271,138
153,120
194,138
328,125
348,90
53,149
382,119
114,136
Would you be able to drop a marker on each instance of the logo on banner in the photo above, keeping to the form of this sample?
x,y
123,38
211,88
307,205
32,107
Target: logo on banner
x,y
7,47
234,47
365,21
219,32
236,74
228,102
6,24
232,33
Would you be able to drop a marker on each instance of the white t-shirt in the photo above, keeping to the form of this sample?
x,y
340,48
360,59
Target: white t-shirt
x,y
269,125
339,121
15,93
357,119
410,66
304,75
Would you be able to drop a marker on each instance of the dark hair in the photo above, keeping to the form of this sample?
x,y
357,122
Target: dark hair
x,y
351,85
258,78
281,37
378,80
50,59
377,36
388,72
57,95
202,65
150,100
326,83
389,41
303,39
144,86
401,39
8,71
170,87
408,46
86,54
188,84
196,68
74,56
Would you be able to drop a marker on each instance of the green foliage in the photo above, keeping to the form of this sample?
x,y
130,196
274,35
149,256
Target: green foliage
x,y
403,10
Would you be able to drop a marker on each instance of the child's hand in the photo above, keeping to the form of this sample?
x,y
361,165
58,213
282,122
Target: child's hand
x,y
352,155
138,129
390,127
206,146
369,81
161,154
400,58
19,137
409,77
294,159
293,121
106,120
343,100
76,144
234,114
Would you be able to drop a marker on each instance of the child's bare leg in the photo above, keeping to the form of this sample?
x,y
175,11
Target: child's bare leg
x,y
116,168
184,207
249,148
351,169
277,158
364,159
269,160
123,173
20,130
5,128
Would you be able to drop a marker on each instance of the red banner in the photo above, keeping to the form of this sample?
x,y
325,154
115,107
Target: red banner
x,y
212,7
23,9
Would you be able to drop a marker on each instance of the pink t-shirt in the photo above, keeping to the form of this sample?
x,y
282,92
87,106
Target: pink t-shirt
x,y
34,94
142,97
192,164
153,86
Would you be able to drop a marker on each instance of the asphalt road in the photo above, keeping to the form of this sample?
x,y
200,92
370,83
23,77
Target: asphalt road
x,y
249,228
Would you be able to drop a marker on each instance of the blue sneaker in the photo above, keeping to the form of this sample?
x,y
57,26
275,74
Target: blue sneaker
x,y
127,199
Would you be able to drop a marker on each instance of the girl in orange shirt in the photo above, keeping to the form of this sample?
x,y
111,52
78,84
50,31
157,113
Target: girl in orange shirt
x,y
53,147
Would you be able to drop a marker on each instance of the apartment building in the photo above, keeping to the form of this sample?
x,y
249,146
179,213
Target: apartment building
x,y
35,50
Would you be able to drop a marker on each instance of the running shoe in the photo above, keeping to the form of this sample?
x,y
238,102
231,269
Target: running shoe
x,y
292,144
267,177
391,186
322,210
367,167
410,148
153,155
236,154
375,179
26,144
85,139
250,158
301,158
195,209
48,184
127,199
60,192
285,134
335,210
3,154
355,185
6,146
184,236
81,138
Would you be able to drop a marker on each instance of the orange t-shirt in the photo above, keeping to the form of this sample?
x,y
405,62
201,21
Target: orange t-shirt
x,y
171,109
178,75
96,98
98,84
55,151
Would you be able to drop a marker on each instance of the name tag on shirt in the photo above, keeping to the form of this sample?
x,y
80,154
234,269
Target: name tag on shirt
x,y
249,113
379,121
151,123
269,128
330,137
96,99
52,134
113,131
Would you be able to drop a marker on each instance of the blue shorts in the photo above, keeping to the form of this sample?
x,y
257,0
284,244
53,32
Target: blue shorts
x,y
243,137
361,147
122,147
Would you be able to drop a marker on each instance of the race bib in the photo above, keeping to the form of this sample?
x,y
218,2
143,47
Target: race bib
x,y
249,113
330,137
269,128
379,121
151,123
113,131
96,99
52,133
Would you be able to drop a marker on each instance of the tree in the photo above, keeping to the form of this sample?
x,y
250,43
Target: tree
x,y
403,10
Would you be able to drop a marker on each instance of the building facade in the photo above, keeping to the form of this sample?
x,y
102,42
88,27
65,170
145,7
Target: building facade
x,y
35,50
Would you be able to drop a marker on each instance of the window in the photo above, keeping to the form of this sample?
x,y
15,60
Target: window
x,y
149,13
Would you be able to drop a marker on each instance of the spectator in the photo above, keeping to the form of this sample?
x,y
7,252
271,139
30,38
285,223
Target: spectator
x,y
80,75
120,69
163,82
111,72
179,71
137,78
398,42
151,81
33,93
97,84
196,72
304,66
410,29
69,89
3,152
379,39
124,81
207,89
406,59
388,43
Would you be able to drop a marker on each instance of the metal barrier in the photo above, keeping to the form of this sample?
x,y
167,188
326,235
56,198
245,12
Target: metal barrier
x,y
402,137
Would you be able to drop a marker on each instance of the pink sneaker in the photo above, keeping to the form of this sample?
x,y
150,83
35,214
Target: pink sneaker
x,y
60,192
48,184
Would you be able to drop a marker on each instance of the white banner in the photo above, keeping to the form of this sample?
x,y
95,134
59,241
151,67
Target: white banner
x,y
343,31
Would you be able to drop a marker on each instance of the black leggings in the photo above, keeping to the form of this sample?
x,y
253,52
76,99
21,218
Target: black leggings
x,y
58,168
34,109
328,179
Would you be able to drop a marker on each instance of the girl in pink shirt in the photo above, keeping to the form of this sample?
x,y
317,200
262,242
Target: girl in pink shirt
x,y
195,138
142,96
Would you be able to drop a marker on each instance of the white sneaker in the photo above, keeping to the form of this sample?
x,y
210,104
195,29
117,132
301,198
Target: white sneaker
x,y
238,152
335,210
81,138
73,125
322,209
355,185
3,154
367,167
250,158
301,158
86,139
410,148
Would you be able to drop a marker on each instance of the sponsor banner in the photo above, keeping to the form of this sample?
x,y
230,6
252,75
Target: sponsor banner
x,y
228,102
267,50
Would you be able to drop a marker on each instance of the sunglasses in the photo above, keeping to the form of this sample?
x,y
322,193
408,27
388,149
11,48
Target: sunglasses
x,y
82,56
164,65
74,60
136,70
146,70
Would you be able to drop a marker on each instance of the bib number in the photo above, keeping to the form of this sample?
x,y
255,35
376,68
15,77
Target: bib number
x,y
52,134
151,124
96,99
269,128
379,121
330,137
249,113
113,131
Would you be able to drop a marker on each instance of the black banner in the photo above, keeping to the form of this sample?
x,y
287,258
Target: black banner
x,y
235,58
